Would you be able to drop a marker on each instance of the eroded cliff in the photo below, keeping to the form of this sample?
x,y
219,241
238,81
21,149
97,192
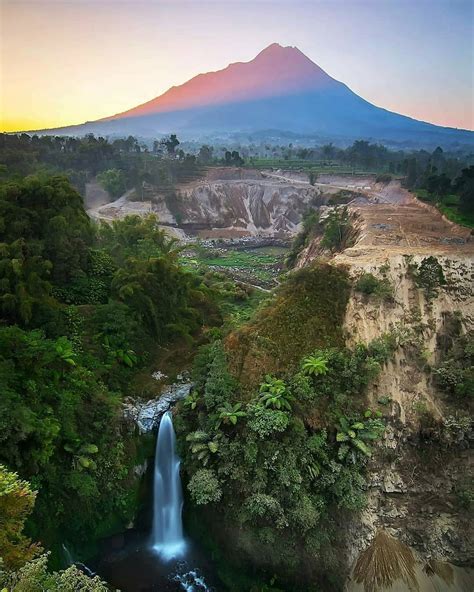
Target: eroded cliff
x,y
413,277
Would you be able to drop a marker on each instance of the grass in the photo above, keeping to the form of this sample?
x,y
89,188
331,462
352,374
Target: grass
x,y
448,206
306,313
259,265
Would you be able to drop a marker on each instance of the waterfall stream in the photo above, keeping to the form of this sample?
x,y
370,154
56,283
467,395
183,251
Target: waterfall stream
x,y
167,532
166,560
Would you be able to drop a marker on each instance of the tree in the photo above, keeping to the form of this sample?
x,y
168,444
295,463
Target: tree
x,y
438,184
170,143
205,154
328,151
16,504
337,230
48,216
113,181
25,285
136,237
464,186
412,173
233,158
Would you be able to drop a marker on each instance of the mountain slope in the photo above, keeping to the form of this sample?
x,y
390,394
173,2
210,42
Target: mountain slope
x,y
280,89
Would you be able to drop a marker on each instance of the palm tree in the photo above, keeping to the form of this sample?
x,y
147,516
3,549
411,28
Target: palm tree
x,y
315,365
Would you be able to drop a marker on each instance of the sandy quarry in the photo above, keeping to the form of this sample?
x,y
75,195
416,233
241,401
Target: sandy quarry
x,y
231,202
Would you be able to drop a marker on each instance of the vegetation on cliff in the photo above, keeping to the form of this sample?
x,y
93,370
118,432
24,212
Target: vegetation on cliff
x,y
276,435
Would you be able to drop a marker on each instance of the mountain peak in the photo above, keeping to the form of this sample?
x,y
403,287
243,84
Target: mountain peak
x,y
282,52
275,71
274,48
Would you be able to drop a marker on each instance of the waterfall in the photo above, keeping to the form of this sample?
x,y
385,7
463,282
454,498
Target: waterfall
x,y
167,533
70,561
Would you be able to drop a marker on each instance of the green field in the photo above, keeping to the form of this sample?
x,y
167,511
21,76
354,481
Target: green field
x,y
258,265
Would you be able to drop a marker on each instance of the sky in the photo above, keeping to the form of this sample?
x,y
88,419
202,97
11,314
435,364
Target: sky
x,y
64,62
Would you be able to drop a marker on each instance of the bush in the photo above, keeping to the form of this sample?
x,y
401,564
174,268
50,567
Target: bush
x,y
429,276
337,230
455,374
204,487
369,285
264,421
35,577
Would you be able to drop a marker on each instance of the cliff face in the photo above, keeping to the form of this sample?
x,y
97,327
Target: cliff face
x,y
237,201
419,471
426,453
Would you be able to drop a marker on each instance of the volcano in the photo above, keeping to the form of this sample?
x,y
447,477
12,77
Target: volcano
x,y
280,90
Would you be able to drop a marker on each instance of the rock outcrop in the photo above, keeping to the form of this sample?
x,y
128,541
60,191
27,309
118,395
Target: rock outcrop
x,y
426,454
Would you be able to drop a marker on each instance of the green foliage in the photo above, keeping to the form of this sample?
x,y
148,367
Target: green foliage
x,y
314,365
59,427
337,230
134,237
16,504
306,313
204,487
464,185
455,373
35,577
229,414
464,490
191,401
352,436
370,285
264,421
96,306
113,181
24,281
203,445
47,214
310,229
283,468
429,276
212,376
273,393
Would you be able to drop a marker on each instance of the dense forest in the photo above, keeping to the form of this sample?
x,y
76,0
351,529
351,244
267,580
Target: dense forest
x,y
82,307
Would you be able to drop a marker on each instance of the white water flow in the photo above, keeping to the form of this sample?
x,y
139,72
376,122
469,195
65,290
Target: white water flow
x,y
70,561
167,533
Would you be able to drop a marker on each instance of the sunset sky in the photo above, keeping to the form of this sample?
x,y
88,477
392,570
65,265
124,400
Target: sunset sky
x,y
69,61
